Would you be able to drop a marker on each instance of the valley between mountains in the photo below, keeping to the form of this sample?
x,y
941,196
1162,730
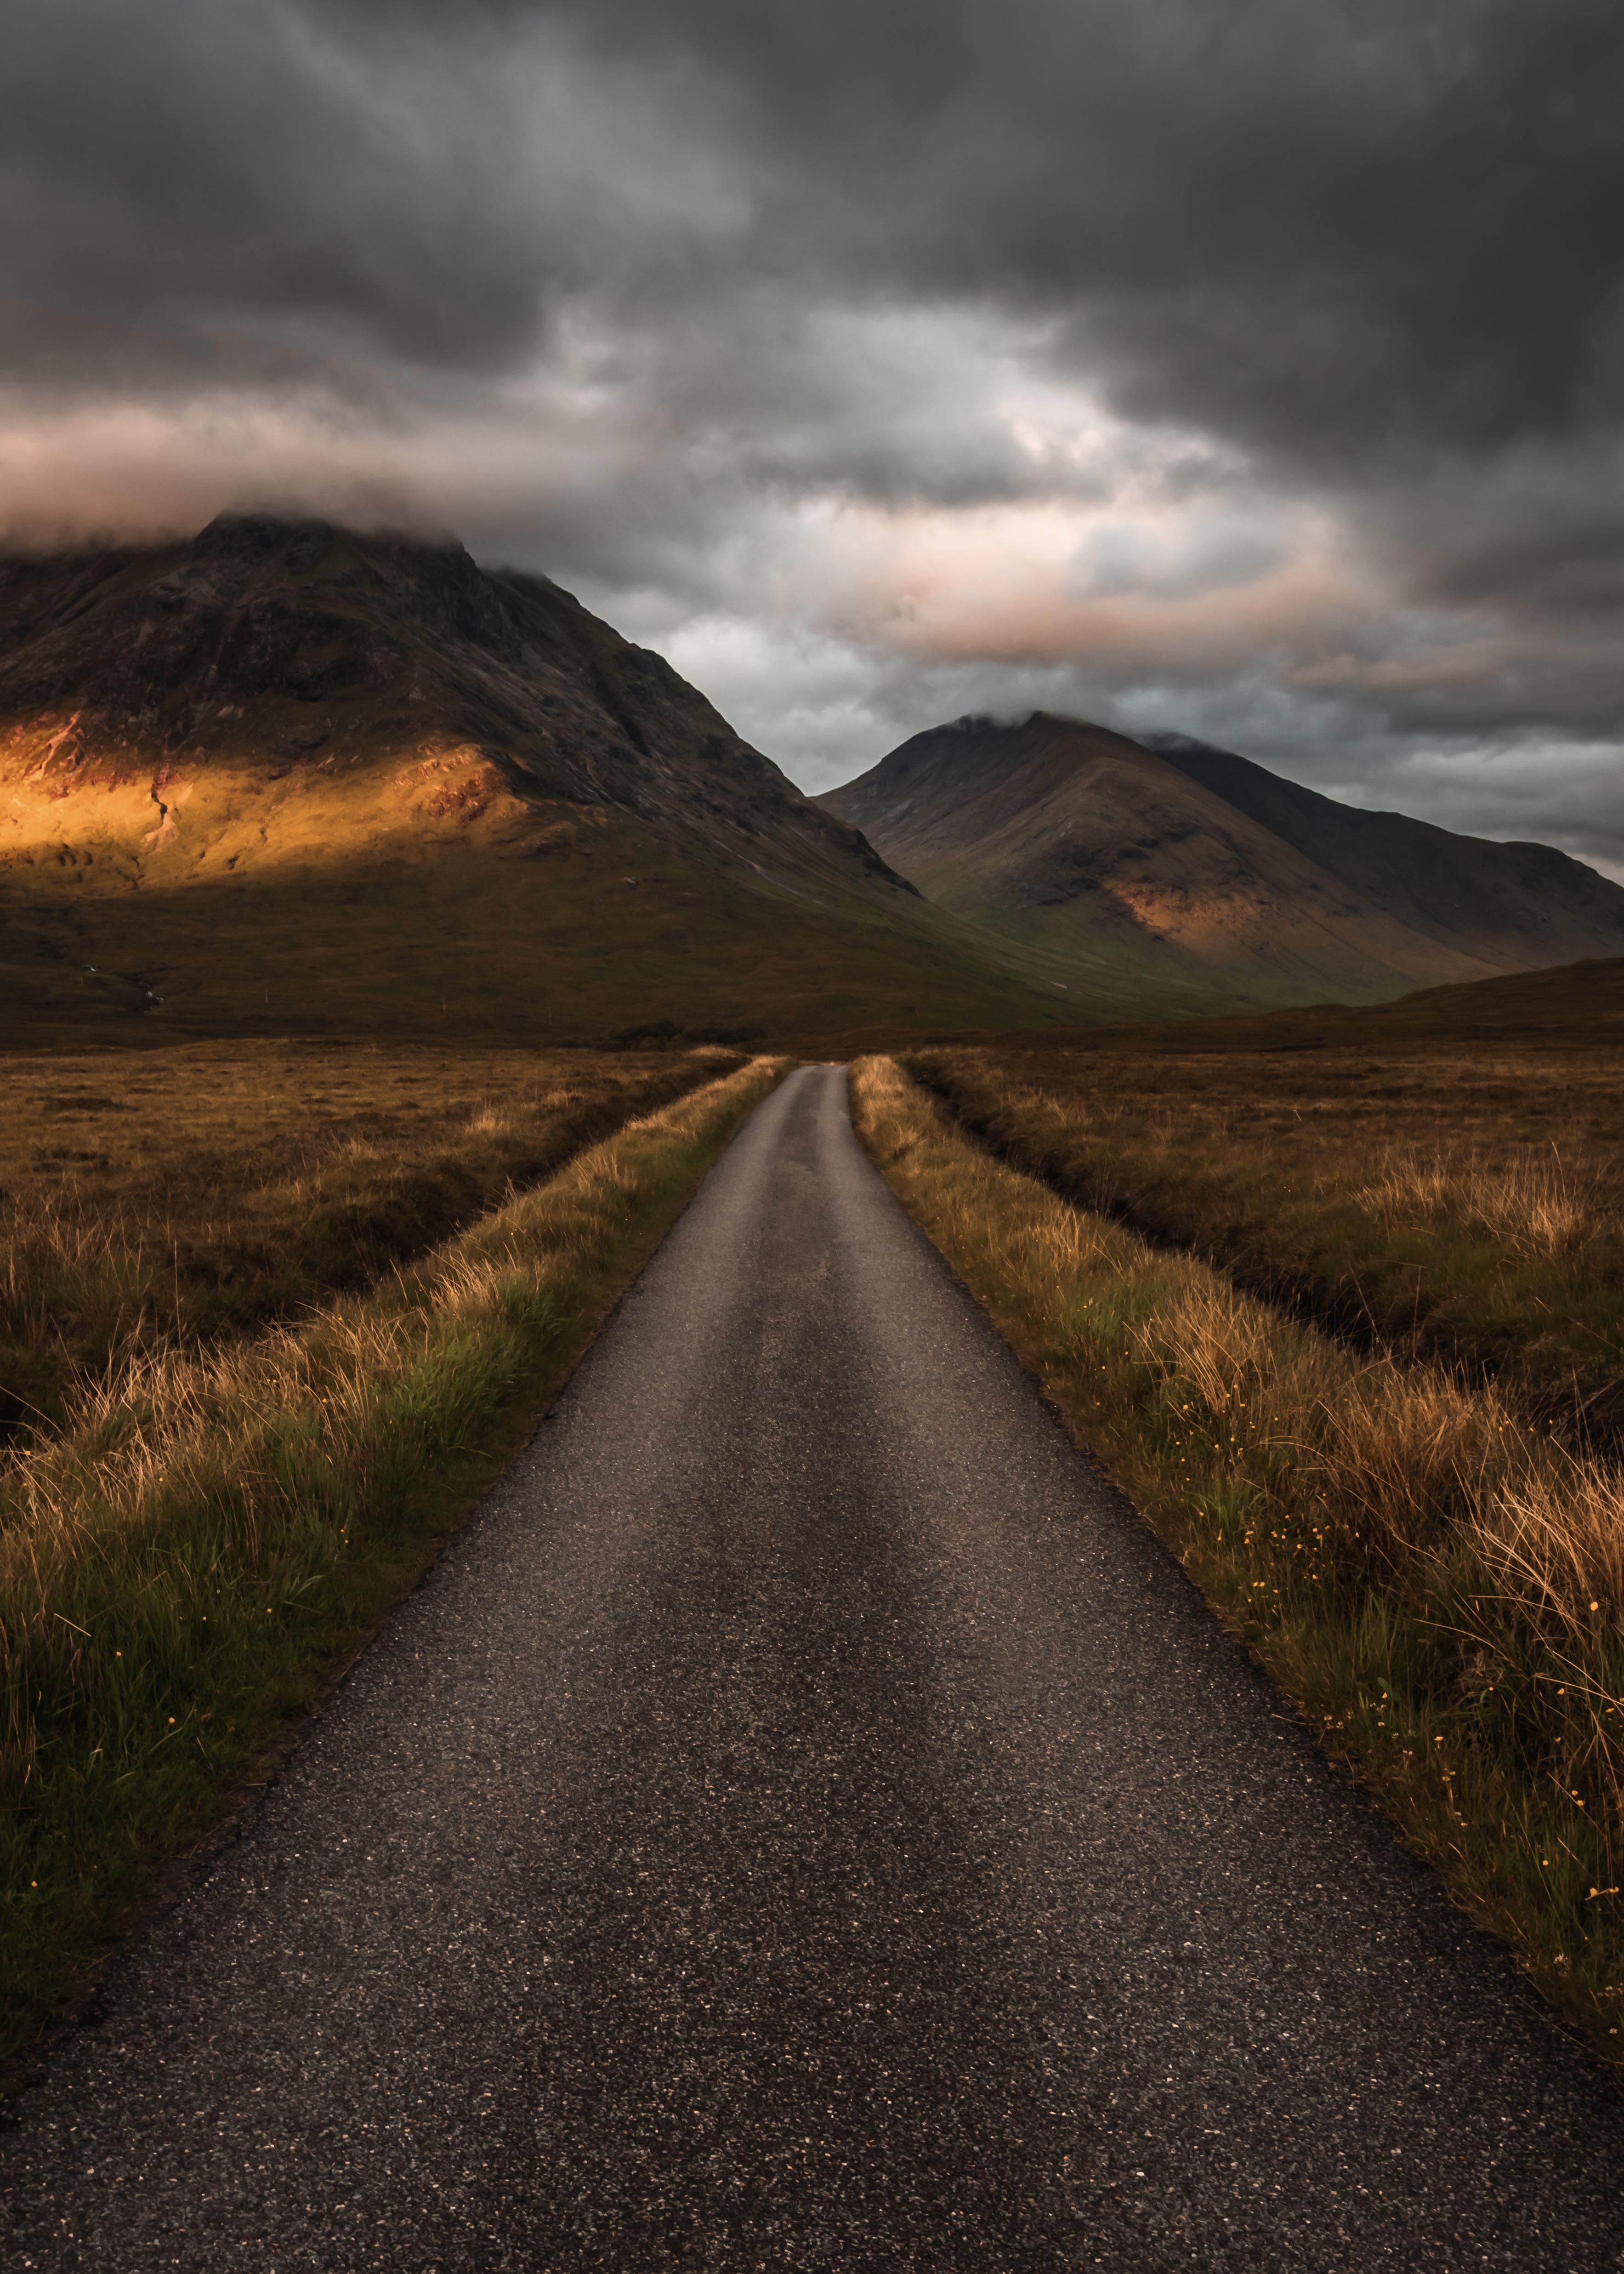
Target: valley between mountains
x,y
289,778
745,1530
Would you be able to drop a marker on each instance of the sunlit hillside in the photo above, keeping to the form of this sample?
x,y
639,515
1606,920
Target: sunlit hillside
x,y
290,778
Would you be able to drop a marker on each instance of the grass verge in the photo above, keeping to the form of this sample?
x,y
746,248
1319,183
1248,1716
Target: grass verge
x,y
1456,1207
1438,1588
192,1562
189,1195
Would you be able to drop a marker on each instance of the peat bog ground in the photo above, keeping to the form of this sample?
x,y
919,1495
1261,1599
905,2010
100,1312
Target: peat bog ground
x,y
1453,1198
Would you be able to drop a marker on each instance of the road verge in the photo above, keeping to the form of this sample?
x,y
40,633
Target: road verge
x,y
1439,1590
186,1570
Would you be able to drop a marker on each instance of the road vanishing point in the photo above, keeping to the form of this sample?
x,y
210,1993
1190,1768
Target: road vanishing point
x,y
806,1820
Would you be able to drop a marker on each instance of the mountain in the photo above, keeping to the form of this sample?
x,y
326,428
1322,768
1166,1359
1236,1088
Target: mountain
x,y
289,775
1510,904
1180,878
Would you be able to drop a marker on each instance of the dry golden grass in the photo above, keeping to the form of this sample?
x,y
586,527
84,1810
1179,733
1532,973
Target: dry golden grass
x,y
1438,1583
1537,1203
190,1560
150,1199
1461,1205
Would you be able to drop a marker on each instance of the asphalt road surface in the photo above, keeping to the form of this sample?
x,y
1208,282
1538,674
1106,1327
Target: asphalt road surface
x,y
807,1822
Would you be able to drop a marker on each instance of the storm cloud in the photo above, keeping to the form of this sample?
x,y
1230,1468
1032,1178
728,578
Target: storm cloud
x,y
1256,370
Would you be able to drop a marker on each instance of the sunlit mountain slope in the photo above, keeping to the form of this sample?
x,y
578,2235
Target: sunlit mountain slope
x,y
286,775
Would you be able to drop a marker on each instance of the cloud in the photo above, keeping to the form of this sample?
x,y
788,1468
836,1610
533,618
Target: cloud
x,y
1257,371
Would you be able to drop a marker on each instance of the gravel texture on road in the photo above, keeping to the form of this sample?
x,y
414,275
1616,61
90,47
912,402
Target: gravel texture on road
x,y
807,1821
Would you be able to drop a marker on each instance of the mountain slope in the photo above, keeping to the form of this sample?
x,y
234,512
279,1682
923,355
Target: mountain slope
x,y
1499,901
287,774
1168,881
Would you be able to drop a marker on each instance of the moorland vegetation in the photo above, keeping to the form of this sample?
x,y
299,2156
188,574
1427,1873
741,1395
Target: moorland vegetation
x,y
1338,1294
217,1522
1458,1200
163,1200
1221,1260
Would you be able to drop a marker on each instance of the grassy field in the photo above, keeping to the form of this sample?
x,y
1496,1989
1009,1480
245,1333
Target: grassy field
x,y
1452,1197
1437,1583
166,1198
216,1528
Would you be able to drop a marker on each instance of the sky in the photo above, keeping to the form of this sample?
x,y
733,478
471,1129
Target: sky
x,y
1253,369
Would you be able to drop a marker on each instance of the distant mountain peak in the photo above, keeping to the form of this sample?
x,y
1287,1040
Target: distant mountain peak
x,y
1184,867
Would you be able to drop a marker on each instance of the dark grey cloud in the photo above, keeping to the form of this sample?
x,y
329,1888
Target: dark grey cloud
x,y
214,191
638,290
1331,228
1335,230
